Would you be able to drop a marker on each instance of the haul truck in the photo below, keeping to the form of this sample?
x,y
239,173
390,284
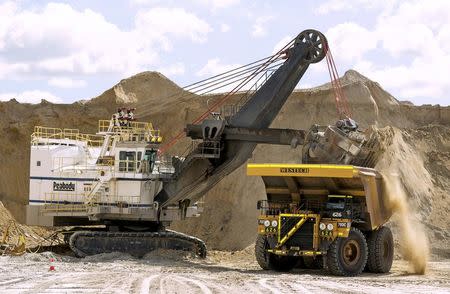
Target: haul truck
x,y
321,215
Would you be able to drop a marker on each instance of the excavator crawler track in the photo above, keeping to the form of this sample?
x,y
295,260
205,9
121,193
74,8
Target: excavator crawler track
x,y
137,244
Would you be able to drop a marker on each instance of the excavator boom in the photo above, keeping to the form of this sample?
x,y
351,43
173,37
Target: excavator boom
x,y
201,170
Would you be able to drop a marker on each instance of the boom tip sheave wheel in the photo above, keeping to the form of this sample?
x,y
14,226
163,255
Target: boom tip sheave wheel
x,y
316,43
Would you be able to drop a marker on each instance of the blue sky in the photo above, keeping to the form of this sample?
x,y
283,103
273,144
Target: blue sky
x,y
70,50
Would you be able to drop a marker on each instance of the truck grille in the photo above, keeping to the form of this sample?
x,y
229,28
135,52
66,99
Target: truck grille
x,y
303,238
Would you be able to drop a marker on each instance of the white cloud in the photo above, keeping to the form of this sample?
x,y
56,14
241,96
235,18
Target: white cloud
x,y
350,41
145,2
155,24
259,27
351,5
68,83
407,50
224,28
332,6
419,30
13,70
7,10
214,67
280,45
407,82
33,96
413,27
422,78
59,40
211,4
218,4
173,69
417,35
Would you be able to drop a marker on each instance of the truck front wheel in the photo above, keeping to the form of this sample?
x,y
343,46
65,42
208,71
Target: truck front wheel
x,y
348,256
270,261
381,250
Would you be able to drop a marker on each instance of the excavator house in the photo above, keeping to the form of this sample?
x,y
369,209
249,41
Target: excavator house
x,y
123,181
110,178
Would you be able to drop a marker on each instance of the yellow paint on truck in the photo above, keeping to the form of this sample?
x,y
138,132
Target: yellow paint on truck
x,y
302,170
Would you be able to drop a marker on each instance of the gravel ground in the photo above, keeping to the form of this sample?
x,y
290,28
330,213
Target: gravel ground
x,y
222,272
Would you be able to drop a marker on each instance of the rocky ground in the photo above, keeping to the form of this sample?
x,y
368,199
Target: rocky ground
x,y
222,272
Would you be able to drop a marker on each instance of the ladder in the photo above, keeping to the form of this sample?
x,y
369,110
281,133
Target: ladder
x,y
98,189
110,134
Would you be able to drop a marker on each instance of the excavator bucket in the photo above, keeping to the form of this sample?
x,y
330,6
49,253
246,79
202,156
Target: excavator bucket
x,y
335,144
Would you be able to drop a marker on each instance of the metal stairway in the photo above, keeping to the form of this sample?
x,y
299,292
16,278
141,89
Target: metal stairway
x,y
92,197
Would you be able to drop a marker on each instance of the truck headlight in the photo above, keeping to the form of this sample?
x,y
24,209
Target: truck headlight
x,y
274,223
330,227
266,223
322,226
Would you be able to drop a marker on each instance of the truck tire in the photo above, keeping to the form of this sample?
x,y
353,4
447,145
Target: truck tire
x,y
381,250
348,256
270,261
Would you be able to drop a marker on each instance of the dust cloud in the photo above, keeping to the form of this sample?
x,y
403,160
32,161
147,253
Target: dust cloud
x,y
413,239
406,181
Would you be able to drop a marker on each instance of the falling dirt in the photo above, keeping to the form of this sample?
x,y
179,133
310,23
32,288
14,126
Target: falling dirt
x,y
413,239
401,165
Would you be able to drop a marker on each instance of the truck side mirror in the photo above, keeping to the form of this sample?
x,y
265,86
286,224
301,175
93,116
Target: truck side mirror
x,y
259,204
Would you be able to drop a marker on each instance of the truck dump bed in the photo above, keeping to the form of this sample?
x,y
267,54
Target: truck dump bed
x,y
289,183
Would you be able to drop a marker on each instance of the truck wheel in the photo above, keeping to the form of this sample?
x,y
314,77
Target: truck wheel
x,y
348,256
262,256
381,250
270,261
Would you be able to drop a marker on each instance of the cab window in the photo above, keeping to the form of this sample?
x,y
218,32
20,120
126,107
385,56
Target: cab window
x,y
127,161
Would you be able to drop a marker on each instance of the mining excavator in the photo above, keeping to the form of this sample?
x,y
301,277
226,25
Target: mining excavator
x,y
122,181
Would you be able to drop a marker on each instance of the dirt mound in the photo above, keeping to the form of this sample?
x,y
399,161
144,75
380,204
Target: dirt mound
x,y
145,88
229,220
35,237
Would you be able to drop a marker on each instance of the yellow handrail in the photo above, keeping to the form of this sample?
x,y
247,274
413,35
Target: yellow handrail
x,y
75,202
133,131
71,134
